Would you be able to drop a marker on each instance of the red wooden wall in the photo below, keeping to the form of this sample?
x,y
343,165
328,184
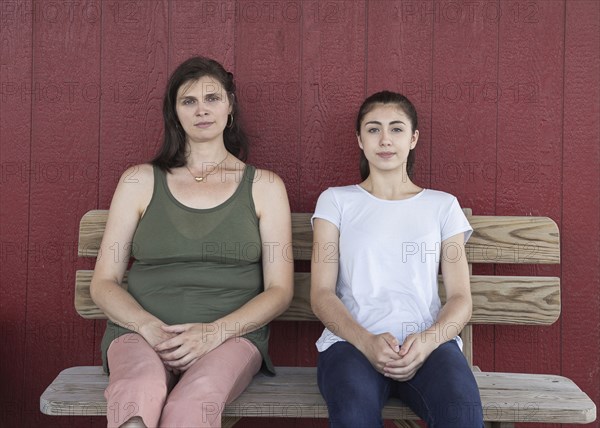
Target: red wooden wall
x,y
508,97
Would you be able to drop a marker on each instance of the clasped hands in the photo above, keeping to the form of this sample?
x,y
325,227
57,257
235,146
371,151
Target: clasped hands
x,y
180,346
398,362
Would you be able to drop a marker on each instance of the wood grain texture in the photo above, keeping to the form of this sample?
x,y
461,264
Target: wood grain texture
x,y
333,87
268,48
530,76
15,164
513,239
294,393
496,299
131,109
202,28
580,336
545,140
66,76
400,58
465,47
496,239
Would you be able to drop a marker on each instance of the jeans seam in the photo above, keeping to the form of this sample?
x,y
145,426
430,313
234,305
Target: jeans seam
x,y
427,408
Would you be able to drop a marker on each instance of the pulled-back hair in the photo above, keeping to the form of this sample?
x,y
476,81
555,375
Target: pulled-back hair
x,y
404,104
173,149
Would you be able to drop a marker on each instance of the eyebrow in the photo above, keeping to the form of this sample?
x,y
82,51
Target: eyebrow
x,y
376,122
191,97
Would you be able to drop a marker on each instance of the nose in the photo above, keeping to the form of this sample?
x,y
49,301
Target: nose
x,y
385,139
201,109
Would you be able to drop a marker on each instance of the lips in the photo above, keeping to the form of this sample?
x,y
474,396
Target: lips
x,y
203,125
385,155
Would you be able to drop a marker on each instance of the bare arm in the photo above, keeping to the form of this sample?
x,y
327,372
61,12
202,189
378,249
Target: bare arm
x,y
272,206
131,196
327,306
453,316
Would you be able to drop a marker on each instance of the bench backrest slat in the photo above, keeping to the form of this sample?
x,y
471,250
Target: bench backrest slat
x,y
496,299
496,239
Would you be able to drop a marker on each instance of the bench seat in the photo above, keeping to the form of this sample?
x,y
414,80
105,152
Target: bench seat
x,y
507,398
293,393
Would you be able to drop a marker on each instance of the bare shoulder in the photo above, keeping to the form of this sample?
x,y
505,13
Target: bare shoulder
x,y
138,174
266,182
135,187
268,191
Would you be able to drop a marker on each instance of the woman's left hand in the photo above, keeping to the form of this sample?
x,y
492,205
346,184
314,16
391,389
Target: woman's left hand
x,y
413,353
192,342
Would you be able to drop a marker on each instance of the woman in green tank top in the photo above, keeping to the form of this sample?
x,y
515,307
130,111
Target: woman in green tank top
x,y
190,329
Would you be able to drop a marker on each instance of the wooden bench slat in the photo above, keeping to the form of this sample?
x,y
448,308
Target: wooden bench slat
x,y
513,239
91,229
294,393
496,299
496,239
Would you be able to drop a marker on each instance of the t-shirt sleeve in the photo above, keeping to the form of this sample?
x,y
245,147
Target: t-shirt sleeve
x,y
328,208
456,222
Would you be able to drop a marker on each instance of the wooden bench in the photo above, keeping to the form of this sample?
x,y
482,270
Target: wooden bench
x,y
293,393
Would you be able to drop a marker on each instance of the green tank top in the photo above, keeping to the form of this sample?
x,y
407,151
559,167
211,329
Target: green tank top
x,y
196,265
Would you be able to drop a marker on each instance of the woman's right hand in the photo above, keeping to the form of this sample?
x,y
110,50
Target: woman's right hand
x,y
380,349
153,333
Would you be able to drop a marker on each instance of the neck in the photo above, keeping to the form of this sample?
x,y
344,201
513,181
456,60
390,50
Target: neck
x,y
390,185
198,155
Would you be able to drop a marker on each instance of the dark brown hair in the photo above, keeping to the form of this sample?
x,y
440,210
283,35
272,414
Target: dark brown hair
x,y
404,104
172,151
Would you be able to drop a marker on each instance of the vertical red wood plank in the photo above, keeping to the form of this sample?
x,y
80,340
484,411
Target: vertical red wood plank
x,y
333,87
64,149
202,28
399,58
529,155
134,75
15,163
463,121
268,74
580,205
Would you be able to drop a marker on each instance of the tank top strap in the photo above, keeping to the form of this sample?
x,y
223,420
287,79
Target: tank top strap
x,y
160,184
247,181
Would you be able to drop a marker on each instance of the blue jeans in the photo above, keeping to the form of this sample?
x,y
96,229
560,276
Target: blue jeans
x,y
443,392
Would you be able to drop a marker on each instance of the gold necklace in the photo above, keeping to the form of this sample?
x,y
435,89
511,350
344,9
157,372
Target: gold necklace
x,y
201,178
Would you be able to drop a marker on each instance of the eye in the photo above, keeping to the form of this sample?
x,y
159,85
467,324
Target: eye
x,y
212,98
372,130
397,130
187,101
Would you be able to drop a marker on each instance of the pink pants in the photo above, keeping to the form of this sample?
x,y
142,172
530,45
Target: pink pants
x,y
139,384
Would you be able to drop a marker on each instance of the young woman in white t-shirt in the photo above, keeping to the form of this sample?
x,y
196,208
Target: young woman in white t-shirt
x,y
378,247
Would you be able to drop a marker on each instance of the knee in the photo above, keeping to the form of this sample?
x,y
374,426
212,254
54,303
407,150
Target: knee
x,y
135,422
354,406
461,415
462,408
351,414
146,386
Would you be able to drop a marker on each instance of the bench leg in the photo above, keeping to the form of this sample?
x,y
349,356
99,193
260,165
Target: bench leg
x,y
229,421
406,424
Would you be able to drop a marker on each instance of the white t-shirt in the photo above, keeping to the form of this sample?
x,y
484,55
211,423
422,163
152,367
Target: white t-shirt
x,y
389,256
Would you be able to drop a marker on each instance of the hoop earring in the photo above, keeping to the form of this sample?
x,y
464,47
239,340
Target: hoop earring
x,y
229,125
